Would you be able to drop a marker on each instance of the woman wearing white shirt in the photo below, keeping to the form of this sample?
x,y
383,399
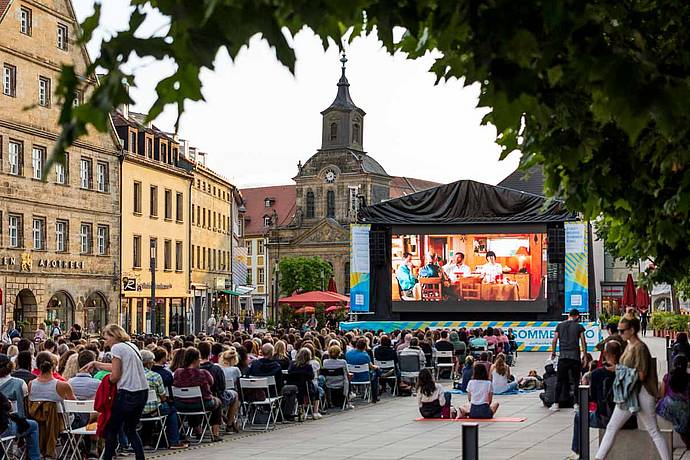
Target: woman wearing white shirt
x,y
479,395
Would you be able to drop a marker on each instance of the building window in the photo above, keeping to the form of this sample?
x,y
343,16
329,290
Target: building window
x,y
153,201
38,156
198,257
353,203
39,233
85,238
249,277
44,91
153,252
168,204
260,247
193,216
16,157
355,132
103,240
61,171
198,215
9,80
167,255
334,131
137,197
267,202
136,251
330,204
61,235
102,179
310,204
260,275
347,277
164,153
78,98
85,174
179,207
16,231
178,256
149,148
25,22
62,36
267,221
249,244
133,142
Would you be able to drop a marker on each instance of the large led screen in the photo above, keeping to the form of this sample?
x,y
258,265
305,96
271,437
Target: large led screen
x,y
463,268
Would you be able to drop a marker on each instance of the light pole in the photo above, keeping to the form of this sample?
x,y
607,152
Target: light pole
x,y
153,289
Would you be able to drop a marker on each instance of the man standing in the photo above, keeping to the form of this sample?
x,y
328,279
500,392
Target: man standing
x,y
644,320
570,336
211,325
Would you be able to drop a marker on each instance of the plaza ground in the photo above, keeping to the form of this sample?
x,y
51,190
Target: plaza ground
x,y
387,430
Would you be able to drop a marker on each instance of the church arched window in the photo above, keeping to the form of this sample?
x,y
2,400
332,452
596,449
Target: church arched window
x,y
334,131
355,132
310,204
330,204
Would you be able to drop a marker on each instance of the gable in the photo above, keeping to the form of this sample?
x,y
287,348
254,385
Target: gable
x,y
326,231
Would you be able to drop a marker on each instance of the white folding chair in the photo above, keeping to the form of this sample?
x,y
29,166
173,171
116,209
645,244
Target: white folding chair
x,y
410,366
188,396
272,403
385,367
444,355
75,435
355,369
7,444
156,417
335,379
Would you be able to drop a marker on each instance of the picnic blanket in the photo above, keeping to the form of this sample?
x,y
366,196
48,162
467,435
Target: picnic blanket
x,y
507,393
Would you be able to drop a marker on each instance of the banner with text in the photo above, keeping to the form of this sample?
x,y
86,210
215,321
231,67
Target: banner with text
x,y
530,335
576,276
359,268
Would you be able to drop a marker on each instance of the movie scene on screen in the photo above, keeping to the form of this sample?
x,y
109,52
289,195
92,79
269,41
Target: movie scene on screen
x,y
469,267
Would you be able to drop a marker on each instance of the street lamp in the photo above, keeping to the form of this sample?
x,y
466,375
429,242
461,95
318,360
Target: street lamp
x,y
153,288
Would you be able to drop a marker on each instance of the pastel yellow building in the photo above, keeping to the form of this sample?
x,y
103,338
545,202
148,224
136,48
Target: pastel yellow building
x,y
155,225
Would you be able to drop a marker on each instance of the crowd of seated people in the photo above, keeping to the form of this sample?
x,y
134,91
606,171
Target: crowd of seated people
x,y
38,375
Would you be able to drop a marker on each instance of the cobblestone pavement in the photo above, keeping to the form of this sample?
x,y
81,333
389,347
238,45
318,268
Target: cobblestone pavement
x,y
387,430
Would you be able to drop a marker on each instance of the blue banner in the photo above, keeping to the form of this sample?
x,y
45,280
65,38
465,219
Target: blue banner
x,y
576,274
359,268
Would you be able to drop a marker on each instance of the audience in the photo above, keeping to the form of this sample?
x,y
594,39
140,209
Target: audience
x,y
479,395
359,356
433,400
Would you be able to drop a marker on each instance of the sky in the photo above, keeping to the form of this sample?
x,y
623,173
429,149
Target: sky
x,y
258,120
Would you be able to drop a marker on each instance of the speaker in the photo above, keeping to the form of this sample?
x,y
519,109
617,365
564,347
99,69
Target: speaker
x,y
378,247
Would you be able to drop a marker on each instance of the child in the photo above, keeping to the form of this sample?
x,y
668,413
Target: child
x,y
433,400
479,395
466,373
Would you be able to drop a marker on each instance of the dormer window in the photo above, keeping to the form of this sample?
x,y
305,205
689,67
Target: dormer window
x,y
268,202
355,132
334,131
267,221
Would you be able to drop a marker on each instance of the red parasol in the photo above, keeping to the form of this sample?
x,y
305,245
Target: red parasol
x,y
306,310
642,300
629,293
331,285
336,308
315,297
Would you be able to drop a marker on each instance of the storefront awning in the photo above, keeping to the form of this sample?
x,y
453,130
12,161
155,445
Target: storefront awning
x,y
239,290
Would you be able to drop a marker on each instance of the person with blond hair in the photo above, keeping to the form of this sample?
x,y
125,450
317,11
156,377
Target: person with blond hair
x,y
127,373
500,376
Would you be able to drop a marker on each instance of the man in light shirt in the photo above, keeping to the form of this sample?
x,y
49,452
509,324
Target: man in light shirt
x,y
456,268
491,270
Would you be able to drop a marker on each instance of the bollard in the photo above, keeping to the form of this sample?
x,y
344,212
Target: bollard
x,y
583,403
470,441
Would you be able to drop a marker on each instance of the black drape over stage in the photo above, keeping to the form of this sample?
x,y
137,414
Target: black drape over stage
x,y
466,202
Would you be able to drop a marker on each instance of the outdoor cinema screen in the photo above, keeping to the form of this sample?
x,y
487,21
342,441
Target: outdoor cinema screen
x,y
469,269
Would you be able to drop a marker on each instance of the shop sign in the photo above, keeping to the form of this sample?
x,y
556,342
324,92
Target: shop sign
x,y
129,284
26,263
612,291
158,286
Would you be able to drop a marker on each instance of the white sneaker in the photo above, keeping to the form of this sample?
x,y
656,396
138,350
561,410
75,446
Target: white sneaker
x,y
317,416
349,406
554,408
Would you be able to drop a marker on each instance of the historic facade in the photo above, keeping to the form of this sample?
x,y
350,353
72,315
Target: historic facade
x,y
156,193
59,251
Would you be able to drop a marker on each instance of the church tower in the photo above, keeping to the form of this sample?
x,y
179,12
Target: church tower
x,y
343,121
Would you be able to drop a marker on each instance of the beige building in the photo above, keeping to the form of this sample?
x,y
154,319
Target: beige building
x,y
156,194
59,251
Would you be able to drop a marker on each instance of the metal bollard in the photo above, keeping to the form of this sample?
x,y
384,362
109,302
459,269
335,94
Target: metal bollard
x,y
583,403
668,341
470,441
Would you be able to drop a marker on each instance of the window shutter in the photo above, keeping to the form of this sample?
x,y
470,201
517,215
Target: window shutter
x,y
107,176
20,232
89,174
20,156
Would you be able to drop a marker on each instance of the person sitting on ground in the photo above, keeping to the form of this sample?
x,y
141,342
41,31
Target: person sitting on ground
x,y
674,405
485,361
479,395
466,372
359,356
22,366
532,381
500,376
432,399
549,381
414,349
192,376
155,383
301,374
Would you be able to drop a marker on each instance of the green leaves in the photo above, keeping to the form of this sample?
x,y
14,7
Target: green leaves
x,y
303,274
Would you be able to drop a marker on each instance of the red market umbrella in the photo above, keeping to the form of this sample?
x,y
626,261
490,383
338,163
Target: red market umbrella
x,y
331,285
642,300
314,297
336,308
629,293
305,310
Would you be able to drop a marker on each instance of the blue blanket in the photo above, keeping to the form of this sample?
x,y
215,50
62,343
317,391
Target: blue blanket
x,y
515,392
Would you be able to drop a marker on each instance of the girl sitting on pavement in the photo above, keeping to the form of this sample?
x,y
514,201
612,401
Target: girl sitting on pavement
x,y
433,400
479,395
500,376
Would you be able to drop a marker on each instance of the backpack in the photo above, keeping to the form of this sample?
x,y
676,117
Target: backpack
x,y
606,413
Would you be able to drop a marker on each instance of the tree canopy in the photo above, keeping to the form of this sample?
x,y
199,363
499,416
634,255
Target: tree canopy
x,y
303,274
595,92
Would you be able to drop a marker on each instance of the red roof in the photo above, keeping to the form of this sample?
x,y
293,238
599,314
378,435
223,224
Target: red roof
x,y
282,201
4,8
401,186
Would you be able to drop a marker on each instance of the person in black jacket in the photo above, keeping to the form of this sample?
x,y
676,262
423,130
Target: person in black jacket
x,y
385,352
13,425
301,374
550,379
